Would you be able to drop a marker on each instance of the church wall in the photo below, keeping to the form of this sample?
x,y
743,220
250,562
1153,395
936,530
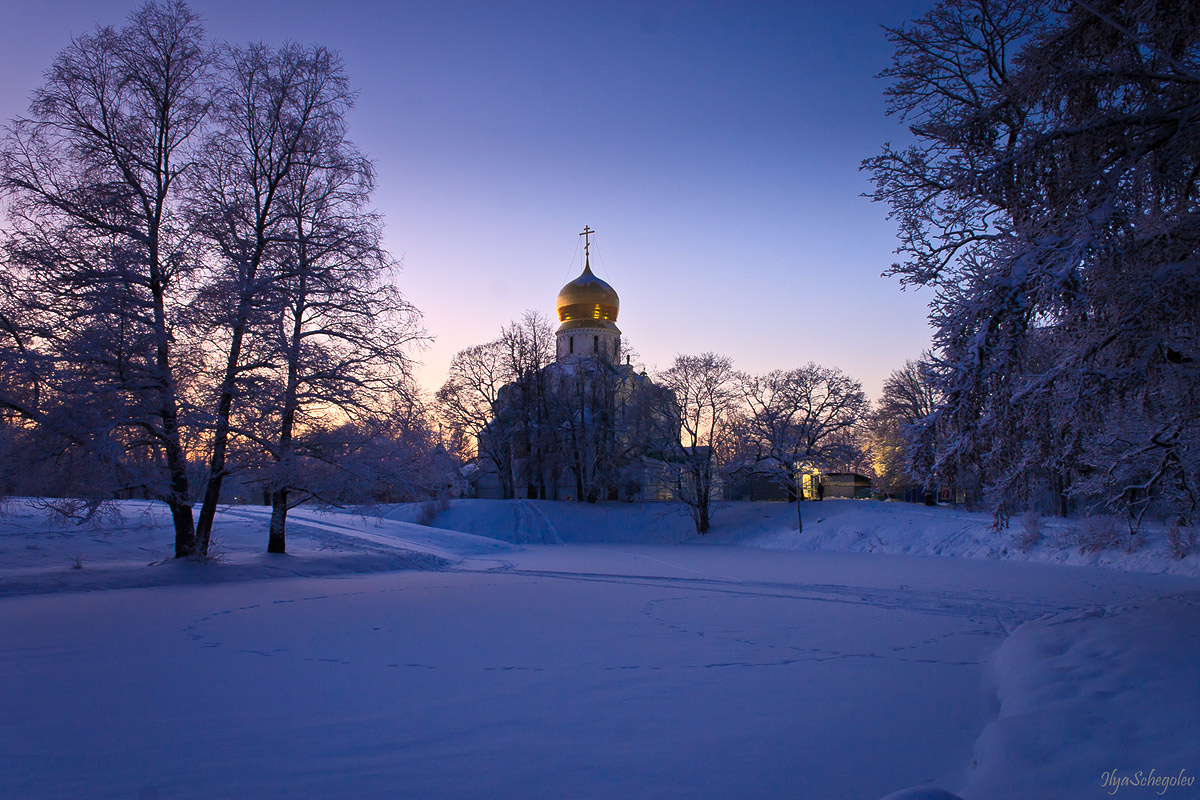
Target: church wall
x,y
582,342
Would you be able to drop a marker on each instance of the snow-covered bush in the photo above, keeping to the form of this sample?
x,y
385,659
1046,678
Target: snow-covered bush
x,y
428,510
1030,533
1095,534
1181,539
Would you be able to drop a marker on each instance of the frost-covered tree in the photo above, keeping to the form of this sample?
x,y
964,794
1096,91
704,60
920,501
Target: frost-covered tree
x,y
98,267
1051,199
382,458
900,452
189,268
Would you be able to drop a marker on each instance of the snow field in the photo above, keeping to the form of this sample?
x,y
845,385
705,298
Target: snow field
x,y
608,667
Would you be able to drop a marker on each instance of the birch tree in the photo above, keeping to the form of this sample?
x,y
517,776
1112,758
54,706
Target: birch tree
x,y
342,333
268,110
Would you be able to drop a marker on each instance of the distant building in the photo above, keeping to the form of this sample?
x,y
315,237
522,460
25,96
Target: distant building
x,y
586,427
745,483
841,484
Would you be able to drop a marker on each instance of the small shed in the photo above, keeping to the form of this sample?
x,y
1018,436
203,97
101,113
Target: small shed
x,y
845,484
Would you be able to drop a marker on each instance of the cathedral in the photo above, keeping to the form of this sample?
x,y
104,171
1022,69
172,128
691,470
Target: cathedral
x,y
586,427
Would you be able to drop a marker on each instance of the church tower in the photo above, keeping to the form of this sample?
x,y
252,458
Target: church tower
x,y
587,308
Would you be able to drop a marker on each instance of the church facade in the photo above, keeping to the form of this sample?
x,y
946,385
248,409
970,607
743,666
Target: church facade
x,y
587,426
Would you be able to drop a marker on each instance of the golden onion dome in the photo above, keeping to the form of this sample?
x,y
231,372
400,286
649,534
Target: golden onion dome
x,y
587,302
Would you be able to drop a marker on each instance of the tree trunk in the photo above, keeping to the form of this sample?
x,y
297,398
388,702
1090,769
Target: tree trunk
x,y
185,534
276,541
1062,501
179,500
702,477
799,514
216,464
287,421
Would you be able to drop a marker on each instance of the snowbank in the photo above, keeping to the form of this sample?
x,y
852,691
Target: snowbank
x,y
133,547
857,526
1108,699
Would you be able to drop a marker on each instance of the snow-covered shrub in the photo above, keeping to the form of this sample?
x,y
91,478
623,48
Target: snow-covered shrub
x,y
215,554
428,511
1181,539
97,512
1030,533
1096,533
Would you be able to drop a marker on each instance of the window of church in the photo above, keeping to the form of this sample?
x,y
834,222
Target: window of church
x,y
570,344
595,344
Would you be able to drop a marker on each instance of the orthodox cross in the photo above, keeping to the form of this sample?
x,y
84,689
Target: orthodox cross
x,y
587,237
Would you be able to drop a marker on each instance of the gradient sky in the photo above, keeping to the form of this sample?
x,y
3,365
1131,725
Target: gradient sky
x,y
714,147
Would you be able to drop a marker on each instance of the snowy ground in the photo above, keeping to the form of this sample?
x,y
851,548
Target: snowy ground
x,y
388,659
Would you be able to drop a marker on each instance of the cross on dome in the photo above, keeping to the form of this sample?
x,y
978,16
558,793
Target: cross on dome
x,y
587,244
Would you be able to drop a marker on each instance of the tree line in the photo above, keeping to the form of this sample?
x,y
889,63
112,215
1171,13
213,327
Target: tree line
x,y
193,284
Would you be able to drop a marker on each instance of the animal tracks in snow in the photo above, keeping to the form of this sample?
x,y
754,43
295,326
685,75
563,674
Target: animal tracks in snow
x,y
764,624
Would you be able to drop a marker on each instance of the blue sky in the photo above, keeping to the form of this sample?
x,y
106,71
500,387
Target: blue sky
x,y
714,147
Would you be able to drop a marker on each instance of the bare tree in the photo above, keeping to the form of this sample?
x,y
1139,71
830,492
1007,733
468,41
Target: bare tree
x,y
798,419
467,401
902,445
527,344
191,266
342,333
271,105
706,393
99,264
528,348
586,423
471,405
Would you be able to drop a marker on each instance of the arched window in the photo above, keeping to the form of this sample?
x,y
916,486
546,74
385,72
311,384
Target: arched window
x,y
595,344
570,344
